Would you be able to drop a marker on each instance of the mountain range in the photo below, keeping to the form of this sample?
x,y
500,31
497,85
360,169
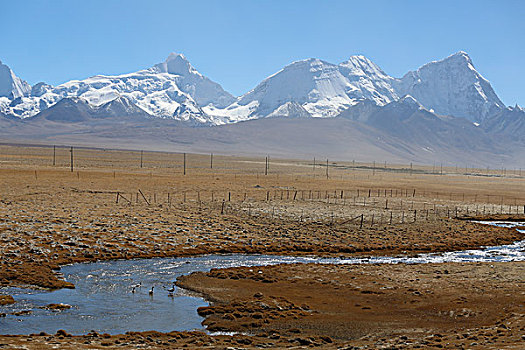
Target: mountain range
x,y
443,104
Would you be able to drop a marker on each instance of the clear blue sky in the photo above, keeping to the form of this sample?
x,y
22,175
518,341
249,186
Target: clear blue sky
x,y
239,43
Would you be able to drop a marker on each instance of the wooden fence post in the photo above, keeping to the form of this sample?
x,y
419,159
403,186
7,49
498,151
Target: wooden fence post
x,y
142,194
71,159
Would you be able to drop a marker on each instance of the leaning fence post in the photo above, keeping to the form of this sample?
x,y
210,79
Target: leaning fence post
x,y
142,194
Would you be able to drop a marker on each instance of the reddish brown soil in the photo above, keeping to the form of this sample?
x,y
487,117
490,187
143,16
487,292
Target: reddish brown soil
x,y
456,305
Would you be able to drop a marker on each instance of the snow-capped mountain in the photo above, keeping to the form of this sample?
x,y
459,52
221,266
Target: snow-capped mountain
x,y
451,86
172,89
200,88
11,86
323,89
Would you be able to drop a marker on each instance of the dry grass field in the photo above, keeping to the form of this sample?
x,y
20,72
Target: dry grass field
x,y
129,204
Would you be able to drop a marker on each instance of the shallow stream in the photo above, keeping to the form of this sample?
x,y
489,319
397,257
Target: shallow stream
x,y
103,298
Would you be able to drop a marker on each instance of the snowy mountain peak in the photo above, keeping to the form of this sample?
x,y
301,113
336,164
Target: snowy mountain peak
x,y
172,89
460,55
311,64
323,89
360,65
451,86
12,86
176,55
176,63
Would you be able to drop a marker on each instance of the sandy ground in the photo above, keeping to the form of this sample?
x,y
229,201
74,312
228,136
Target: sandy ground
x,y
109,207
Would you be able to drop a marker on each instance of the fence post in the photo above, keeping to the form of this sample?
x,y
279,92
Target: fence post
x,y
71,159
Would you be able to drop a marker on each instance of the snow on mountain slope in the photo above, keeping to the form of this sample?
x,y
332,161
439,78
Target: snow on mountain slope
x,y
200,88
166,90
451,86
289,110
323,89
316,85
12,86
308,88
368,80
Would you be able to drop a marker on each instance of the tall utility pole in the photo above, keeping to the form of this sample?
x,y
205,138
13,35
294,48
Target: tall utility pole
x,y
54,155
184,163
327,168
71,160
141,156
266,166
211,161
314,163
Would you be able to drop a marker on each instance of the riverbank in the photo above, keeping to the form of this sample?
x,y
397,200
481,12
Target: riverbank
x,y
451,306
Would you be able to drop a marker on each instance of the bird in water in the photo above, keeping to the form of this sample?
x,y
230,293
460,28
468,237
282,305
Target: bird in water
x,y
133,290
151,290
172,289
138,285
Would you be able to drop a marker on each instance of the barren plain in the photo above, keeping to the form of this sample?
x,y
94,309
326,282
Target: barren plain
x,y
119,204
